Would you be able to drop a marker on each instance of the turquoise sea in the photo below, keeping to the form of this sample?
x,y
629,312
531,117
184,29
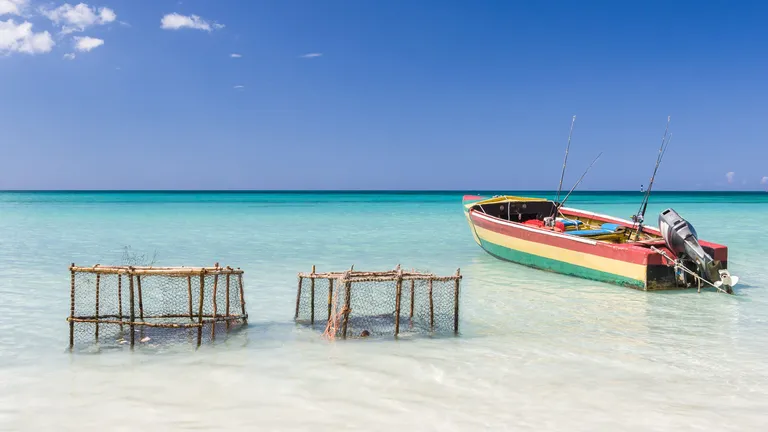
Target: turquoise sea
x,y
537,351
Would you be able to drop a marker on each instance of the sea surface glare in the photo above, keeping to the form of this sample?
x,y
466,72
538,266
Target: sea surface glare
x,y
537,351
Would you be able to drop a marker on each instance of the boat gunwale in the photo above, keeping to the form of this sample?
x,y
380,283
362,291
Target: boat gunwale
x,y
604,249
470,201
475,213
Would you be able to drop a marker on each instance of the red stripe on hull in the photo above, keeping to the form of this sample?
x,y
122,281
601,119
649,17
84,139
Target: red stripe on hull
x,y
625,253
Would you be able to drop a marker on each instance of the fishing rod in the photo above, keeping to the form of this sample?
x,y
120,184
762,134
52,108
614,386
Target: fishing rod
x,y
660,156
560,205
565,162
650,185
639,217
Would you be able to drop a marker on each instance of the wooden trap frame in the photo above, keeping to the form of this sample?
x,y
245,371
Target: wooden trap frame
x,y
116,298
378,302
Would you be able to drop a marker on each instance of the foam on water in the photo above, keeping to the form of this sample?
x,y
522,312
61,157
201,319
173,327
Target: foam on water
x,y
537,351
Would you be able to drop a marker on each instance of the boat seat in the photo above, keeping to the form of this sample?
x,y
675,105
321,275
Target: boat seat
x,y
613,227
587,233
570,222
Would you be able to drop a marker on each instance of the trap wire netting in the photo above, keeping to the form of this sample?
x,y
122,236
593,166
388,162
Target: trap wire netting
x,y
124,308
361,304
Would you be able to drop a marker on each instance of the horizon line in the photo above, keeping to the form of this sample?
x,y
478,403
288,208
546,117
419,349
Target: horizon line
x,y
375,190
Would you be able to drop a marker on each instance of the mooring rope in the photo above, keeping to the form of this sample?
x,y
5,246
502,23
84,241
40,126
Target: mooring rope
x,y
678,265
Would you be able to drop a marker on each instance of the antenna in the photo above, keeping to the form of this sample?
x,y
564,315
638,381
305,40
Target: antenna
x,y
639,217
559,206
565,161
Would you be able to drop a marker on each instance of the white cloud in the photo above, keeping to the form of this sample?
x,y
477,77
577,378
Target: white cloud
x,y
239,87
235,55
729,176
764,180
78,18
312,55
87,43
107,15
12,7
69,56
20,38
176,21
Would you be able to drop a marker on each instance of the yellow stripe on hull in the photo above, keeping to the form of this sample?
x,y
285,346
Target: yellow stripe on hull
x,y
623,269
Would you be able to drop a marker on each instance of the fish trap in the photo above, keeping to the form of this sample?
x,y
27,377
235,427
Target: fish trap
x,y
360,304
131,305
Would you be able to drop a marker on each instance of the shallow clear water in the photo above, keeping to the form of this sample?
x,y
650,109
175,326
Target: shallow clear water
x,y
536,351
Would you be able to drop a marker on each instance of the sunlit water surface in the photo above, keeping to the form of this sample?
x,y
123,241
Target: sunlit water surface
x,y
537,351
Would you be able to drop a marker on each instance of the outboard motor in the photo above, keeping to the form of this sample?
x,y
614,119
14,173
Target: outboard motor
x,y
681,238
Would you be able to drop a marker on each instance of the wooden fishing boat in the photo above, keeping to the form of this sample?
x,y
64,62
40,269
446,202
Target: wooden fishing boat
x,y
595,246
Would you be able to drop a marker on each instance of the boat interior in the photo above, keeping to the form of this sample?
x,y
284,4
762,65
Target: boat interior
x,y
533,211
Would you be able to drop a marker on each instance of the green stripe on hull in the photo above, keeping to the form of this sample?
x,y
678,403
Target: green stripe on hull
x,y
556,266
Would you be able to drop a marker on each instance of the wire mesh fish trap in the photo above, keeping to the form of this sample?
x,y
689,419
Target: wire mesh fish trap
x,y
360,304
130,305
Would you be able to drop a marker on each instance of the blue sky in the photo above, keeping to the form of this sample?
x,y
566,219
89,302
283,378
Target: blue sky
x,y
122,94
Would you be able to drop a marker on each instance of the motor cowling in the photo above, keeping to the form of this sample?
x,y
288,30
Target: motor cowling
x,y
682,240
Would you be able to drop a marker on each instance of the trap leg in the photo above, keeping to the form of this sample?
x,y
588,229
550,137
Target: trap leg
x,y
347,306
200,309
398,295
120,300
213,324
431,308
413,288
456,303
242,298
189,296
133,313
312,298
98,279
72,307
330,297
227,324
298,298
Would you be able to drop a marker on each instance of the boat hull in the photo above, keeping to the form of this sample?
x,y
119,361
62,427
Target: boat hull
x,y
619,264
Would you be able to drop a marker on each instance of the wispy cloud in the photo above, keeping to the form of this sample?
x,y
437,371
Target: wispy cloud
x,y
12,7
235,55
87,43
239,87
730,176
311,55
175,21
764,180
69,56
19,38
80,17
